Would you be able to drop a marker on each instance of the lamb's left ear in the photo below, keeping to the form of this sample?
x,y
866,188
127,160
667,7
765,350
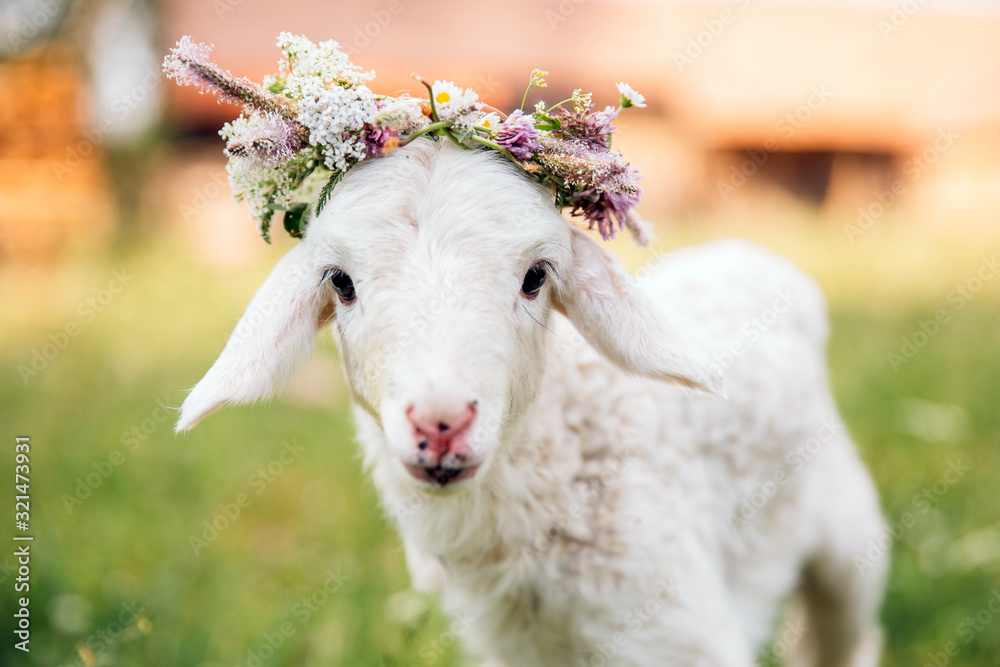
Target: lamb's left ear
x,y
623,323
275,335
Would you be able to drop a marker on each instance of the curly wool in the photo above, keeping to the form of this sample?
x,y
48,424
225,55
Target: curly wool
x,y
615,517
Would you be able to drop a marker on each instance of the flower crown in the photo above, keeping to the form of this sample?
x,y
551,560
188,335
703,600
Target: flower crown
x,y
305,127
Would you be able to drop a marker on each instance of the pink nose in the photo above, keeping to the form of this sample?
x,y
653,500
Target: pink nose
x,y
439,434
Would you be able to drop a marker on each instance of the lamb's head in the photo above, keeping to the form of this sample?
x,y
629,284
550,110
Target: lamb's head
x,y
437,269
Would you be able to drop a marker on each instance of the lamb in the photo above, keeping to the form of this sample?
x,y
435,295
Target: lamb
x,y
564,464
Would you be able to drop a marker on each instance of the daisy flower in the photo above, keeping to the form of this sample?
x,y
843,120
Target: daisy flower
x,y
629,97
316,118
489,122
450,101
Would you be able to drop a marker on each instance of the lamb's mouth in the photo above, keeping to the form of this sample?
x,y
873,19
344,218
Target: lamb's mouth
x,y
441,476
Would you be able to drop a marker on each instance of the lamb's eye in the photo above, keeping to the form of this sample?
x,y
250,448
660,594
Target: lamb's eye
x,y
533,280
343,284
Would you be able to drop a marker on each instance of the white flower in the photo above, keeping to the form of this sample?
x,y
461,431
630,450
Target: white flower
x,y
490,121
630,98
450,101
305,62
335,118
402,114
582,101
254,182
538,78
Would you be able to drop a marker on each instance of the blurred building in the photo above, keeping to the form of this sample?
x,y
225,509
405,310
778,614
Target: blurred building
x,y
839,104
78,79
856,107
53,178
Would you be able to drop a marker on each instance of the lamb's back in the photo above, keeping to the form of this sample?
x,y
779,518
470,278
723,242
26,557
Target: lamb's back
x,y
764,324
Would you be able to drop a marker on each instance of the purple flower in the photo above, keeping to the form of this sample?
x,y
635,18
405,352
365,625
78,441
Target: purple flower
x,y
607,207
593,128
518,135
378,139
188,63
585,167
600,184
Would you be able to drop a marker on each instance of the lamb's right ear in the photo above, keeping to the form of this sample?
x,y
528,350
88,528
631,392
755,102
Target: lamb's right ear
x,y
622,323
272,339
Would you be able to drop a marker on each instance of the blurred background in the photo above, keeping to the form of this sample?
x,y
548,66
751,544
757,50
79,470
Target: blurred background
x,y
860,138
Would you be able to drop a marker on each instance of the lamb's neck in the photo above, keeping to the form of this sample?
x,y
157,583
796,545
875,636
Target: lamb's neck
x,y
493,519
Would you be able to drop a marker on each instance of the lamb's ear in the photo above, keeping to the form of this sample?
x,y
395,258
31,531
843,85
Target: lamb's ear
x,y
624,324
272,339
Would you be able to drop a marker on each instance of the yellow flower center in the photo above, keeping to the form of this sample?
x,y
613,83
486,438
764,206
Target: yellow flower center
x,y
442,97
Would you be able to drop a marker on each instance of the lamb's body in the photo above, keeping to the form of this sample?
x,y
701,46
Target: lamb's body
x,y
634,522
581,514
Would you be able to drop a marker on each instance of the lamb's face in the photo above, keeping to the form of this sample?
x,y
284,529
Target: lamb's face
x,y
437,269
440,264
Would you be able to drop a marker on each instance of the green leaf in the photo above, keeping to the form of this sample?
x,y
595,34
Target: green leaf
x,y
547,123
278,87
296,219
265,226
324,194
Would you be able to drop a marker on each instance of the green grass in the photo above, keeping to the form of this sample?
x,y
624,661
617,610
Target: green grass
x,y
129,542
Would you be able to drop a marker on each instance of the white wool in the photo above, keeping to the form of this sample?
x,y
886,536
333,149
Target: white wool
x,y
625,512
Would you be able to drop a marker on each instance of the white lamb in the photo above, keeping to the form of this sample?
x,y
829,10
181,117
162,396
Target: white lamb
x,y
527,411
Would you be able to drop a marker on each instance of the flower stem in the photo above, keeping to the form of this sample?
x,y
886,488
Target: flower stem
x,y
557,105
433,127
430,97
495,146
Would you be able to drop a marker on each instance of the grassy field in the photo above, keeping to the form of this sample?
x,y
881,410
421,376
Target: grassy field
x,y
125,570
